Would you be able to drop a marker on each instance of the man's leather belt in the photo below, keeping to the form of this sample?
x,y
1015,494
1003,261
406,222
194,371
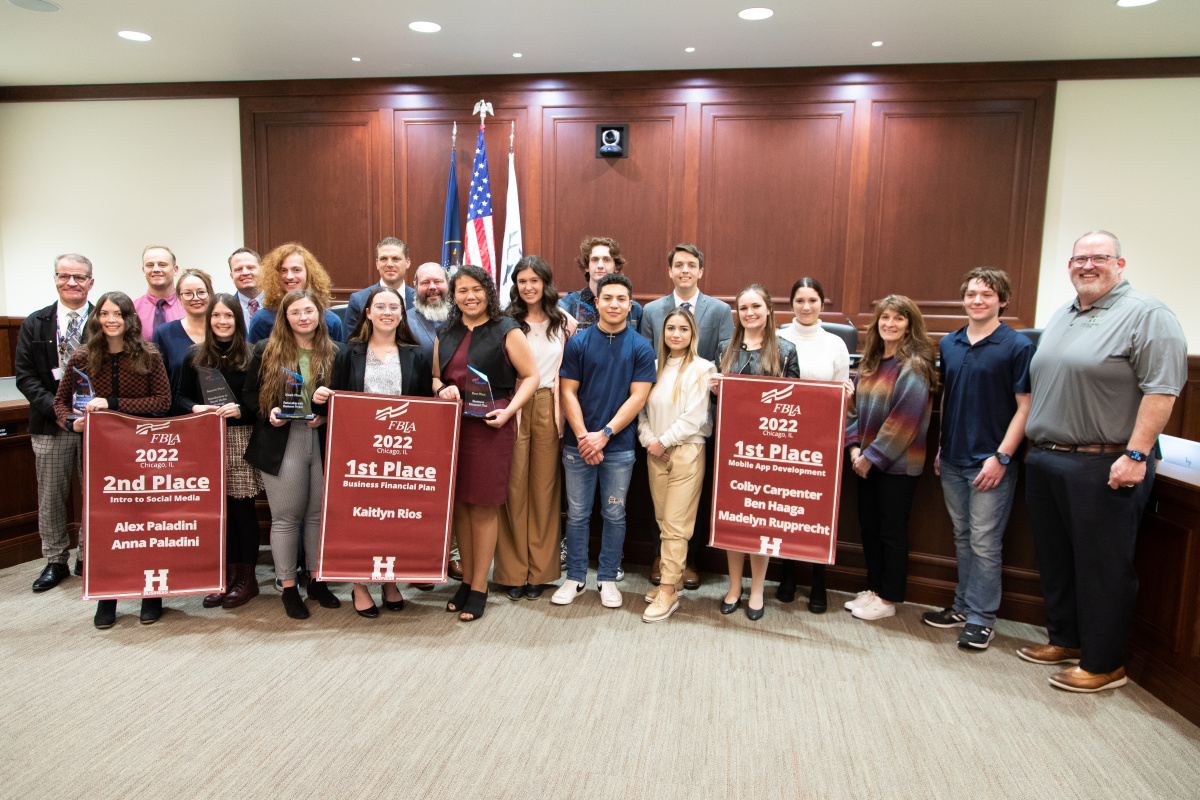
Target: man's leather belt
x,y
1082,448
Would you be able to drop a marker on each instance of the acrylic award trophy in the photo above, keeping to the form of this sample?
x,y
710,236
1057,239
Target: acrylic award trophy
x,y
83,396
477,400
587,315
214,388
292,406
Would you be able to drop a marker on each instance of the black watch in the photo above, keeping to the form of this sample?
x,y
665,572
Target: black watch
x,y
1003,458
1135,455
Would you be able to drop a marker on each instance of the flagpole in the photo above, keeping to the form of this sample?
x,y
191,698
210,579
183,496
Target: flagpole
x,y
454,137
511,135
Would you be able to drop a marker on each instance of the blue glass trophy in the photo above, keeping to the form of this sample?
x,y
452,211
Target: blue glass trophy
x,y
83,395
292,406
477,400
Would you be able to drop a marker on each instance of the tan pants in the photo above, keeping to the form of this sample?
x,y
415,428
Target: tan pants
x,y
675,488
527,547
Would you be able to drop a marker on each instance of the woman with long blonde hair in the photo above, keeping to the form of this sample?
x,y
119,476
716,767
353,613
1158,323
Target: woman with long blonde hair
x,y
885,434
285,269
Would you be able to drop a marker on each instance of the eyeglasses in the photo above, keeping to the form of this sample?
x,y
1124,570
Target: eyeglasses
x,y
394,308
63,277
200,295
1099,261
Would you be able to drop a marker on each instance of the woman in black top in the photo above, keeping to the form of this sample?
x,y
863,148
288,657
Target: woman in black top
x,y
224,349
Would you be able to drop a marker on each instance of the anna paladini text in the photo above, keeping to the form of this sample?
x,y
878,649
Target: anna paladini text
x,y
178,525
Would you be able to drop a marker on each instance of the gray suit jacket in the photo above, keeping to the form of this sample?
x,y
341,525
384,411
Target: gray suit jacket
x,y
714,318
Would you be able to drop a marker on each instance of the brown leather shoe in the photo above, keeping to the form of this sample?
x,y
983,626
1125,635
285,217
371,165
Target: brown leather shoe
x,y
1049,654
455,569
691,578
1077,679
656,572
245,588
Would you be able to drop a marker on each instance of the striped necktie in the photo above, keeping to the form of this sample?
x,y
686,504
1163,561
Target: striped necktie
x,y
70,342
686,306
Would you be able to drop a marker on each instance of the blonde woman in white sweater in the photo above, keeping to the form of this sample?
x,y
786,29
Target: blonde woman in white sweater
x,y
672,426
821,356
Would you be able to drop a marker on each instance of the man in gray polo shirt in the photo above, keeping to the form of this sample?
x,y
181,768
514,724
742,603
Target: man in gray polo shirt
x,y
1106,373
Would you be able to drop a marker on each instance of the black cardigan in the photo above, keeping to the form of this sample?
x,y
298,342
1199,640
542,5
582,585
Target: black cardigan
x,y
350,370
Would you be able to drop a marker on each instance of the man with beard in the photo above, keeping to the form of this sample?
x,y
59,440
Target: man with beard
x,y
430,304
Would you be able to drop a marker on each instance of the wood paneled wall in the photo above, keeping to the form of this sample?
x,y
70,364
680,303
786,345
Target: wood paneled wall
x,y
894,186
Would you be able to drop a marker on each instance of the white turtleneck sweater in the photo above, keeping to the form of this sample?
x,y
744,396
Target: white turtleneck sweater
x,y
683,421
820,355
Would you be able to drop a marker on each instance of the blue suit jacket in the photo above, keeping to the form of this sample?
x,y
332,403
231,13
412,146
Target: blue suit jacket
x,y
354,307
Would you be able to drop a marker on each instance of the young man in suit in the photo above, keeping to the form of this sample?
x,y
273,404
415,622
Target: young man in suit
x,y
714,321
44,346
391,260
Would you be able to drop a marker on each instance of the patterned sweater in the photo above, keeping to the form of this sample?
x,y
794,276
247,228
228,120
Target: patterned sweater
x,y
890,418
146,395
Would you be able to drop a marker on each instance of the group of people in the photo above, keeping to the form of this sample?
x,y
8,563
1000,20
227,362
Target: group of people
x,y
582,380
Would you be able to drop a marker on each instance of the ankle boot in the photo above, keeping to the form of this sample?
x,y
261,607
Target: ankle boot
x,y
818,603
215,599
244,589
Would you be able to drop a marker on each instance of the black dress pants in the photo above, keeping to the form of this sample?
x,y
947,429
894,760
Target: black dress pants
x,y
1084,535
884,503
241,530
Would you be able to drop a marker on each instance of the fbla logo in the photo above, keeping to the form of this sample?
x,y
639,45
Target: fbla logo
x,y
156,583
383,568
775,395
145,427
391,412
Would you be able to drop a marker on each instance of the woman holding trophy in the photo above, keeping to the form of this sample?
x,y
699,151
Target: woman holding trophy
x,y
115,369
288,442
484,359
382,357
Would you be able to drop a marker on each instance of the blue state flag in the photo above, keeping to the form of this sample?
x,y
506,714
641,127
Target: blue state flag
x,y
451,227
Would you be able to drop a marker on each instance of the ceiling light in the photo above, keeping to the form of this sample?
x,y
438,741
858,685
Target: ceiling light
x,y
1132,3
425,27
689,49
355,58
36,5
876,44
755,13
134,36
517,55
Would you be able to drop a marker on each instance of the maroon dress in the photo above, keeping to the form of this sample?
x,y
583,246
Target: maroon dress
x,y
484,452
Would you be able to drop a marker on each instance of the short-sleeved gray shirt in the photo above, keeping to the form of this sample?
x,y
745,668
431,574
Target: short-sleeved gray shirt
x,y
1092,367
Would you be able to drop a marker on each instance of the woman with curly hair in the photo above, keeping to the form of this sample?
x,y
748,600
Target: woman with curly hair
x,y
285,269
885,434
476,339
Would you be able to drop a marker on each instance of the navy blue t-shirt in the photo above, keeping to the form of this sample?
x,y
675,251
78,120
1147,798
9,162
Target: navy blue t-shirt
x,y
979,382
605,367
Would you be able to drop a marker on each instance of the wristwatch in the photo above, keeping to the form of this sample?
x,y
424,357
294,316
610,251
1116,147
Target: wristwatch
x,y
1135,455
1003,458
609,433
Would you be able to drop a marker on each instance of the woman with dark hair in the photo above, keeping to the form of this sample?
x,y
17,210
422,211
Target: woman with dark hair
x,y
527,544
382,357
820,356
175,338
126,375
754,349
885,435
476,340
285,269
224,349
290,452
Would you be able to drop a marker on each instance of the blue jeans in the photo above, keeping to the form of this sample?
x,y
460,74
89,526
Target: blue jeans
x,y
613,475
979,520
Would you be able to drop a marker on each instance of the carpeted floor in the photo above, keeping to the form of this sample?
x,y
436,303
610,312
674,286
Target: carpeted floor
x,y
540,701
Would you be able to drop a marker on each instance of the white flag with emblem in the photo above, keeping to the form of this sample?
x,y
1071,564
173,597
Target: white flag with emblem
x,y
512,235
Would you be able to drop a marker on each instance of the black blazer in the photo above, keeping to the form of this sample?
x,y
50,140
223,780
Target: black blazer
x,y
267,442
350,369
36,360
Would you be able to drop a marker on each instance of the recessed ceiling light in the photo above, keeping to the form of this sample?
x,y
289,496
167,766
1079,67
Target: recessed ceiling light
x,y
876,44
517,55
425,27
689,49
755,13
1132,3
36,5
134,36
355,58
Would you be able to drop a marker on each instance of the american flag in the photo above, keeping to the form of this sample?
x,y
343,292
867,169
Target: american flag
x,y
480,244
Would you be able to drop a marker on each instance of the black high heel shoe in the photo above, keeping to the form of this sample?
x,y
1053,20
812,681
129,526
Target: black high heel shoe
x,y
516,592
476,603
369,613
392,605
459,599
729,608
151,611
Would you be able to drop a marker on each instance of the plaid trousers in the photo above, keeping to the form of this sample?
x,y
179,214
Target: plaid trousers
x,y
58,458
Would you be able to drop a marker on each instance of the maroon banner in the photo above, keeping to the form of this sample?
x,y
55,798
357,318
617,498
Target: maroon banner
x,y
153,505
389,488
778,466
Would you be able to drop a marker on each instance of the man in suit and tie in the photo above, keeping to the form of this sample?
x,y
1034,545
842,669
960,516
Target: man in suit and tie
x,y
245,270
44,346
714,322
391,260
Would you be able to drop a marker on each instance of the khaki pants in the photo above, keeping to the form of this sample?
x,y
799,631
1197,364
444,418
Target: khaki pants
x,y
675,488
527,545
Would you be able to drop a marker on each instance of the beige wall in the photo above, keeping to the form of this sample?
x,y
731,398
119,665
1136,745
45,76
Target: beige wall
x,y
107,178
1125,158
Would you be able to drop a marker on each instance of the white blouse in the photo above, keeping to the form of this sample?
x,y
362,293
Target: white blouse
x,y
547,352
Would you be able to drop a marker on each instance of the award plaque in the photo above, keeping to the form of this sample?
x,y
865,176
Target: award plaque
x,y
214,388
292,406
587,316
83,396
477,400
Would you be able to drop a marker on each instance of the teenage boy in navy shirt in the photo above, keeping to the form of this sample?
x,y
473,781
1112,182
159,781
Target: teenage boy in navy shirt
x,y
985,402
606,374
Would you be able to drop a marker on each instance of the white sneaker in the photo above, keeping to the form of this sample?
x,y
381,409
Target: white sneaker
x,y
610,595
567,592
860,600
876,609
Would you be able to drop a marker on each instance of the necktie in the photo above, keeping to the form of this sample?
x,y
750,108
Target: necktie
x,y
253,306
70,342
160,316
686,306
